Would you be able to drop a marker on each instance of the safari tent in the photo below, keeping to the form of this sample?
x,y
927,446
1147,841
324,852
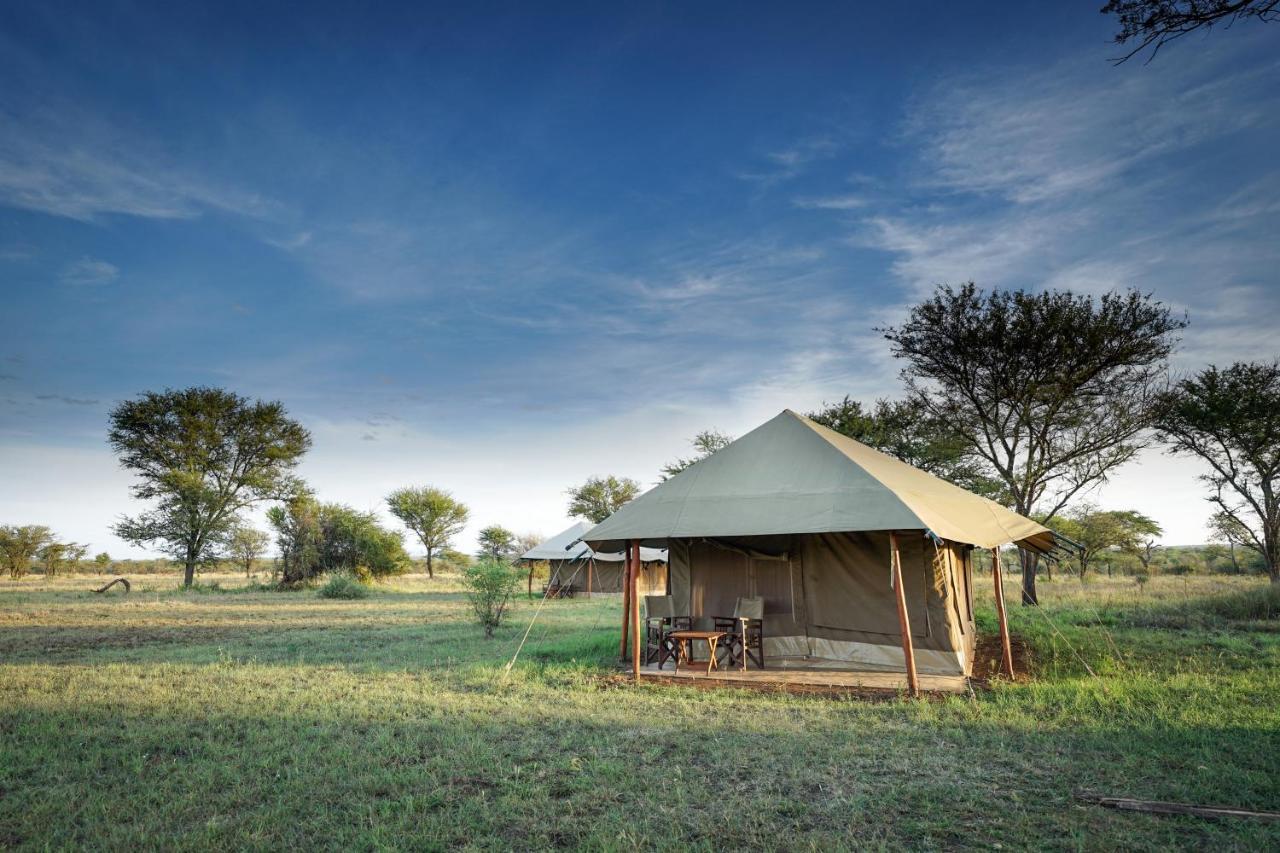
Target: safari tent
x,y
574,566
810,521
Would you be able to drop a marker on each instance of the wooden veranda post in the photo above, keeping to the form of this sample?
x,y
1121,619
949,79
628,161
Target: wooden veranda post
x,y
1006,651
635,609
904,623
626,602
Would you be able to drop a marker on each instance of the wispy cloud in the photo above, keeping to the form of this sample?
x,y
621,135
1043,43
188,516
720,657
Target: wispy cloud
x,y
90,272
838,202
1078,125
70,401
66,161
1093,179
290,244
785,163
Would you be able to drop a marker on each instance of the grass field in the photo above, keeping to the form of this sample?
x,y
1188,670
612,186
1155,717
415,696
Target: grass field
x,y
243,718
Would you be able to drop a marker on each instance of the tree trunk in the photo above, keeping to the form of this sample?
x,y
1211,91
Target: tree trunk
x,y
189,575
1030,562
430,573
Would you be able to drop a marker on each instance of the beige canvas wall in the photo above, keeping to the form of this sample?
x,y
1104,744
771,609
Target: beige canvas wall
x,y
828,595
606,576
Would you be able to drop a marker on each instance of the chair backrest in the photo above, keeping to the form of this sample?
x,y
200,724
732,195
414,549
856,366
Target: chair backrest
x,y
749,608
659,606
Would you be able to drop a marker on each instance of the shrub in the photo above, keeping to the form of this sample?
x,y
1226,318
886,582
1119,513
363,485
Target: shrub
x,y
490,585
317,539
344,586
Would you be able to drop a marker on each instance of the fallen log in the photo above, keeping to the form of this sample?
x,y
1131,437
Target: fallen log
x,y
124,581
1160,807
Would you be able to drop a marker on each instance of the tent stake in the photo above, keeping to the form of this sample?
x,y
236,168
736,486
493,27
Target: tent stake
x,y
1006,651
635,609
908,650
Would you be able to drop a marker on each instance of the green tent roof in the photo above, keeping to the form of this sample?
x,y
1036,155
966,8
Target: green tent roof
x,y
791,475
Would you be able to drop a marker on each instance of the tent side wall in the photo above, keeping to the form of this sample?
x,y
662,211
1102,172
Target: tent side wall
x,y
828,598
606,576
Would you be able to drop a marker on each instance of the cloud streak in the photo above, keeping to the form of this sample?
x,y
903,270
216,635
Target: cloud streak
x,y
90,272
67,162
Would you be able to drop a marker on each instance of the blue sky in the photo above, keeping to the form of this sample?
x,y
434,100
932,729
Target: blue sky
x,y
500,250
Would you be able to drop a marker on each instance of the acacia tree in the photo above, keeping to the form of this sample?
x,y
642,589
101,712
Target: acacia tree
x,y
246,544
433,515
600,497
496,542
1141,537
1154,23
1052,391
1231,419
907,430
20,544
1224,529
705,443
56,555
1098,531
203,455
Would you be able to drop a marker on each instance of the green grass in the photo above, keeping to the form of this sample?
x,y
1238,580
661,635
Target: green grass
x,y
253,718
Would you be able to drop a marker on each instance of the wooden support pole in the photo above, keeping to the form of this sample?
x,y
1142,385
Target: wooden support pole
x,y
908,648
1006,651
591,564
635,609
626,602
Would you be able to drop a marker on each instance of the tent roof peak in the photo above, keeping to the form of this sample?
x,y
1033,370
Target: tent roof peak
x,y
793,475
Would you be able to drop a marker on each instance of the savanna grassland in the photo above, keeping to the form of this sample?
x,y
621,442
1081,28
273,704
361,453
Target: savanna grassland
x,y
240,717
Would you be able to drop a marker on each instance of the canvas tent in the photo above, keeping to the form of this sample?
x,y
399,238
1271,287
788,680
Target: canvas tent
x,y
574,564
806,518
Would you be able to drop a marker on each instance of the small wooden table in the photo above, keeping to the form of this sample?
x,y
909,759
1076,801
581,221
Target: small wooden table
x,y
683,638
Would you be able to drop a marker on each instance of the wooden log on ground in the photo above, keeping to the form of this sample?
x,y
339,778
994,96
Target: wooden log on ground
x,y
124,581
1159,807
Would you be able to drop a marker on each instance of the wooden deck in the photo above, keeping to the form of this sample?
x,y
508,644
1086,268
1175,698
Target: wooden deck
x,y
804,679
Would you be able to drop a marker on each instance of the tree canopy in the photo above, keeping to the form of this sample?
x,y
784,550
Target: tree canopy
x,y
201,455
496,543
1097,531
317,538
908,430
1052,391
1154,23
600,497
434,516
1230,418
246,544
705,443
20,544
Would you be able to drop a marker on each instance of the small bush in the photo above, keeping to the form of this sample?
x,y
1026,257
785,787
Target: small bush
x,y
344,586
490,585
